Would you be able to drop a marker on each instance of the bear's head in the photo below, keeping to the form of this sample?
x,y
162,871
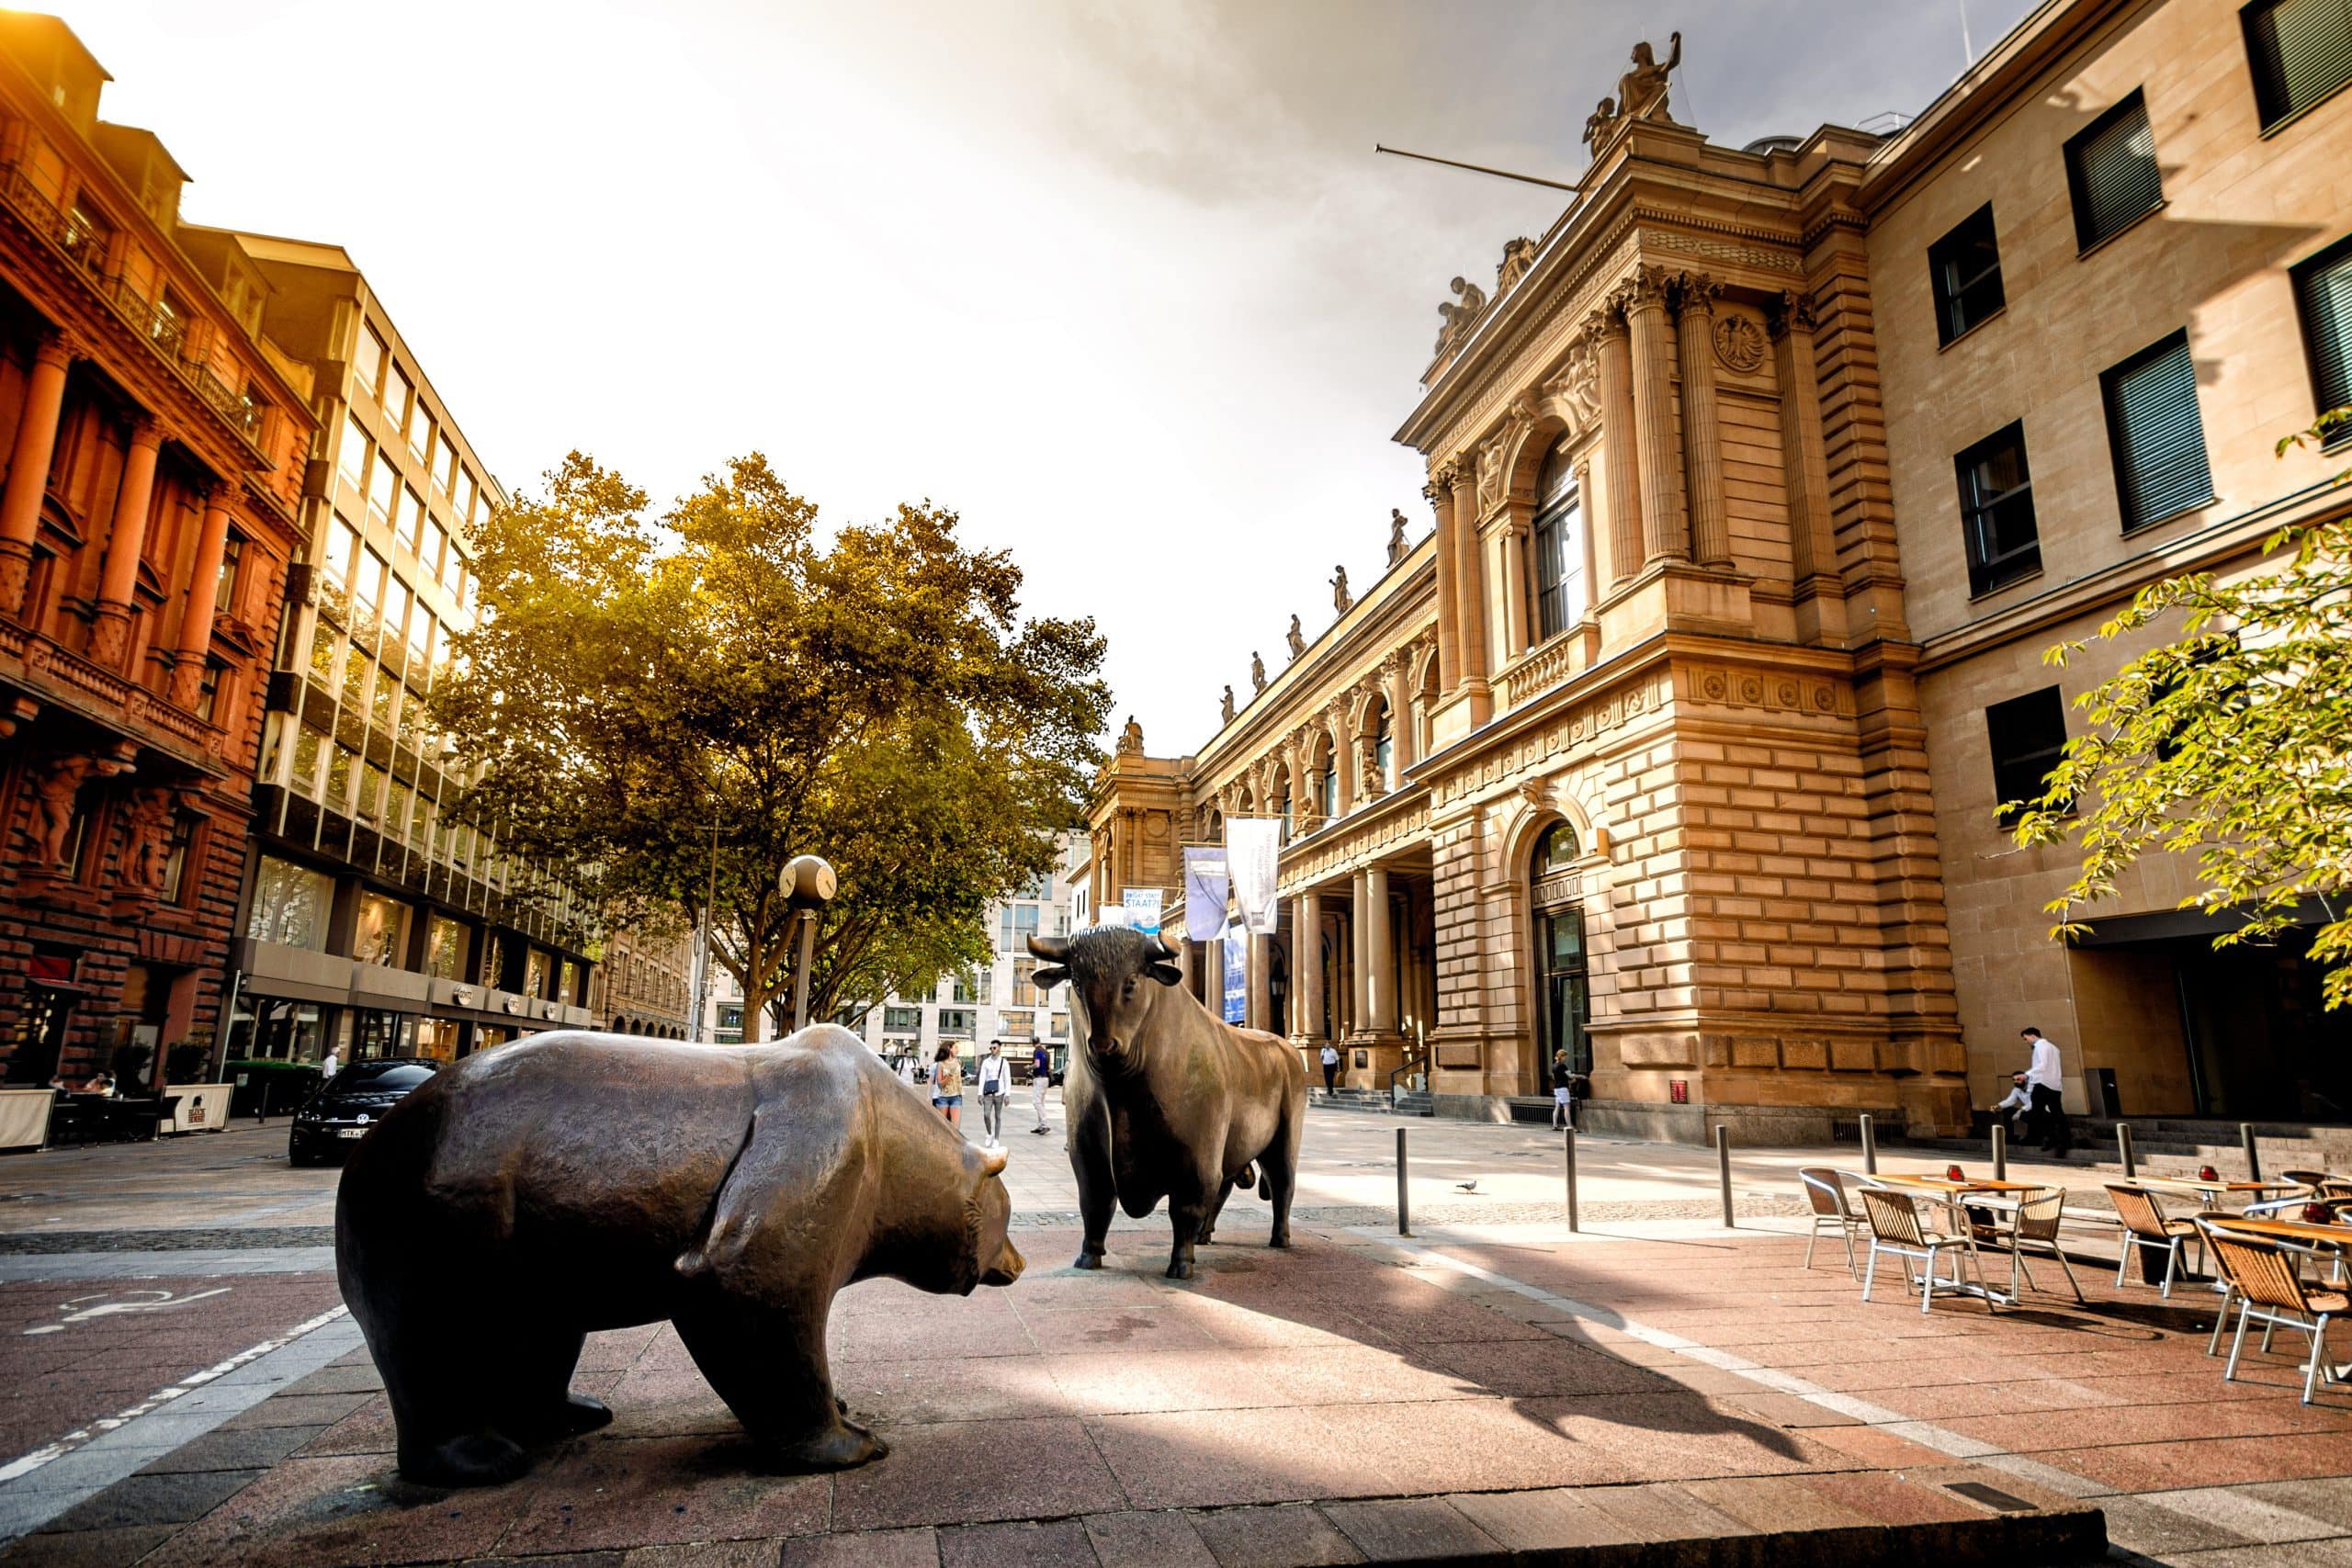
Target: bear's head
x,y
941,1210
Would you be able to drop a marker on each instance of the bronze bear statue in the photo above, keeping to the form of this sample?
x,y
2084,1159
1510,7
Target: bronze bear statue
x,y
1165,1100
532,1195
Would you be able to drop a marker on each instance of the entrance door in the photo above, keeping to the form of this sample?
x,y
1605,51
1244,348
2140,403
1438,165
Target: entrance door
x,y
2261,1047
1565,1002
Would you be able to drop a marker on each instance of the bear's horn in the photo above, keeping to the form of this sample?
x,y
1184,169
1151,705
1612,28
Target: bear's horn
x,y
1054,948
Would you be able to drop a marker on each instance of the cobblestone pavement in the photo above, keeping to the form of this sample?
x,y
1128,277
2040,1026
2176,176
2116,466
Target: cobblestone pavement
x,y
1491,1385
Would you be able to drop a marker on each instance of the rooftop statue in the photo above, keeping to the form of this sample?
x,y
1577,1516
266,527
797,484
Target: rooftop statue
x,y
1228,703
1640,92
1131,738
1600,123
1257,670
1298,638
1397,548
1340,597
1458,317
1518,256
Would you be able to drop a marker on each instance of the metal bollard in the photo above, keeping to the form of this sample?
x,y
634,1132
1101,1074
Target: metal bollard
x,y
1869,1146
2000,1152
1572,1179
1404,1202
2252,1158
1722,1169
2123,1149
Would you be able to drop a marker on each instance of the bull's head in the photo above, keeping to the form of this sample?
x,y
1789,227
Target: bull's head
x,y
1110,971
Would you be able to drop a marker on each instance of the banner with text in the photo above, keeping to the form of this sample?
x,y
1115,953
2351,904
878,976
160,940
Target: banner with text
x,y
1142,905
1205,891
1234,975
1253,847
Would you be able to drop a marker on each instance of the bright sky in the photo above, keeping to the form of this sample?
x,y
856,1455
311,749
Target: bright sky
x,y
1124,285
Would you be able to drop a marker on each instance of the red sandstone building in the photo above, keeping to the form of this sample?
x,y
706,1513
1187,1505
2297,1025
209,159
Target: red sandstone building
x,y
155,444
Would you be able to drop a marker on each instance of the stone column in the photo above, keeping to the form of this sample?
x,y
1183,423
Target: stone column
x,y
109,631
1449,636
1358,905
1394,673
28,468
1702,436
195,619
1805,461
1517,627
1255,1010
1623,474
1307,963
1665,529
1379,967
1469,577
1343,756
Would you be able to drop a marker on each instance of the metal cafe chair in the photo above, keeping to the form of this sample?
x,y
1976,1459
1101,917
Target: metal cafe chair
x,y
1825,1190
2145,1226
2038,1217
1897,1229
2270,1291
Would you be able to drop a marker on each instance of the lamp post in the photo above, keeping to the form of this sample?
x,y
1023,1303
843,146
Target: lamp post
x,y
808,884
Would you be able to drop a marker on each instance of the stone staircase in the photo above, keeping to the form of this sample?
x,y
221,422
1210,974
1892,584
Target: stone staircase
x,y
2178,1146
1374,1100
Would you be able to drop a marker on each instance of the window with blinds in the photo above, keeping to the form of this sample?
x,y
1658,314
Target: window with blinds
x,y
1996,511
2111,172
1964,268
2154,434
2301,51
2323,300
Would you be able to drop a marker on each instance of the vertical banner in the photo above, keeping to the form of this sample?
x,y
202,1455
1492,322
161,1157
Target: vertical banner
x,y
1142,905
1252,847
1205,888
1234,976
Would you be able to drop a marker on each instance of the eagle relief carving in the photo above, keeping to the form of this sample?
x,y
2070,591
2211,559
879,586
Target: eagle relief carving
x,y
1739,342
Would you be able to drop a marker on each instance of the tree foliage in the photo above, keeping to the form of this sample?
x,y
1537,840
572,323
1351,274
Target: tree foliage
x,y
663,707
2232,742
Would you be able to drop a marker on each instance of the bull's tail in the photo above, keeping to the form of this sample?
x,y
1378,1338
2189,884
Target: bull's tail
x,y
1265,1188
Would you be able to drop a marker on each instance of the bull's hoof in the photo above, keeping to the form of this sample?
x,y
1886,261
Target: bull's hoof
x,y
478,1458
1087,1260
843,1448
579,1413
1280,1238
1181,1268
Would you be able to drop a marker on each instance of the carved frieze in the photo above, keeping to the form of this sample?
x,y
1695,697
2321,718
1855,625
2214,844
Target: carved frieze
x,y
1771,689
1350,844
1580,726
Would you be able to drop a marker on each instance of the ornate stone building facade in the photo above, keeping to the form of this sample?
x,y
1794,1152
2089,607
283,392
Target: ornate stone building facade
x,y
154,442
1678,744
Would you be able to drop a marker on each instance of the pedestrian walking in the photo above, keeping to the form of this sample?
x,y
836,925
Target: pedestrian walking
x,y
1041,1078
907,1069
331,1066
947,1083
996,1084
1330,1068
1564,1092
2047,1085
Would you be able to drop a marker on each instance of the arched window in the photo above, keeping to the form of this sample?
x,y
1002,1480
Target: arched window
x,y
1285,803
1384,744
1563,1001
1557,850
1327,787
1559,548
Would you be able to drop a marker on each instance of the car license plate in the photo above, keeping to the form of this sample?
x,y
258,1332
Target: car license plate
x,y
351,1132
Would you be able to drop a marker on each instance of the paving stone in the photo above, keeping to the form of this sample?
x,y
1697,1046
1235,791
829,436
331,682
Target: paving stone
x,y
973,1471
1663,1512
1770,1504
593,1495
338,1379
1409,1530
86,1549
1136,1540
866,1549
157,1498
1288,1536
2142,1525
1554,1519
2327,1499
705,1554
2254,1518
1062,1543
253,1448
297,1410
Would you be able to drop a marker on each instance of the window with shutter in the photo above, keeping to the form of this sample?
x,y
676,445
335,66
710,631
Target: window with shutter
x,y
1964,267
2029,737
1996,511
2111,172
2154,432
2301,51
2323,300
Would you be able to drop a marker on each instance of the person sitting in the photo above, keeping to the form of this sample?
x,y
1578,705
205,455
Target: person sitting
x,y
2017,1107
103,1083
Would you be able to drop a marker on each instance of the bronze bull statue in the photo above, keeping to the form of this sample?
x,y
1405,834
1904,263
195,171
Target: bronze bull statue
x,y
531,1195
1166,1100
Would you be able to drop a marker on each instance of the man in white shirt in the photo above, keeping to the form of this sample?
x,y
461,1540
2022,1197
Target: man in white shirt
x,y
2045,1082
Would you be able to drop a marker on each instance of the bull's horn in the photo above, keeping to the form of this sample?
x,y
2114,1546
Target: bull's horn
x,y
1056,948
992,1162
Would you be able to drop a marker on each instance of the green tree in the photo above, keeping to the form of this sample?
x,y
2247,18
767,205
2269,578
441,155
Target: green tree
x,y
645,701
2231,743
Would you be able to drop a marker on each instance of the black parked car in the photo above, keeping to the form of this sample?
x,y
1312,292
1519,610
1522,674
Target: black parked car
x,y
348,1103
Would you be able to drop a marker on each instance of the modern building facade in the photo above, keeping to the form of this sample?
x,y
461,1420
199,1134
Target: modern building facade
x,y
1670,747
2109,271
373,920
154,439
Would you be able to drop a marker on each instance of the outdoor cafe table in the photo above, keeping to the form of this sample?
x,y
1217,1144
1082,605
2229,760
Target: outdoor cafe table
x,y
2301,1231
2211,1194
1995,1195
